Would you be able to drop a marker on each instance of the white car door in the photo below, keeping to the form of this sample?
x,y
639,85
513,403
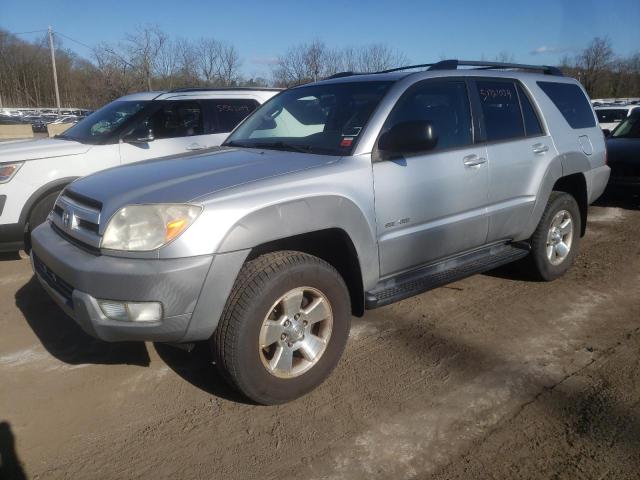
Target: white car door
x,y
183,126
175,127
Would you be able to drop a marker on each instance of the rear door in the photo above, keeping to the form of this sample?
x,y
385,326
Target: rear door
x,y
430,205
518,152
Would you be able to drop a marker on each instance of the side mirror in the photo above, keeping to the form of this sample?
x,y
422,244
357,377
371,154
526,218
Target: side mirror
x,y
139,136
408,137
606,132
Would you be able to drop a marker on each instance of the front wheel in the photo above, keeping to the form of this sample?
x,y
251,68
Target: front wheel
x,y
554,244
284,327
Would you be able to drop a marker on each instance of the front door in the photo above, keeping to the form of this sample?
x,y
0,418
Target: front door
x,y
431,205
176,127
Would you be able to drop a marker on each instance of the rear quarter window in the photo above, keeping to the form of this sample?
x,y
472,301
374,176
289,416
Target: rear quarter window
x,y
572,103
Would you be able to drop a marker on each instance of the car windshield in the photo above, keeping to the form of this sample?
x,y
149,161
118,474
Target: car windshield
x,y
323,119
629,128
98,126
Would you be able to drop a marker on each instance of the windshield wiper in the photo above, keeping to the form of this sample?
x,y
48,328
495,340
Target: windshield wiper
x,y
280,145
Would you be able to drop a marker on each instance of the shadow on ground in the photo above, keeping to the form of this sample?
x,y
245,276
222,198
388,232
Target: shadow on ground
x,y
10,465
65,340
9,256
197,368
626,199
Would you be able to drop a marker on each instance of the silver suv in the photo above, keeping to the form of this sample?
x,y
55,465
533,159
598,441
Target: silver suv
x,y
330,199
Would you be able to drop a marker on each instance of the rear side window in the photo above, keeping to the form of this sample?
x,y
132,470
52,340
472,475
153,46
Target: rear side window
x,y
531,121
611,115
501,110
572,103
226,114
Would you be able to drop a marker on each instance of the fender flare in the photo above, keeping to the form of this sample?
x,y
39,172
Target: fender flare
x,y
280,221
560,166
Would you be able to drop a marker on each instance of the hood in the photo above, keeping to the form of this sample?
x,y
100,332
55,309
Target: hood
x,y
42,148
623,150
183,179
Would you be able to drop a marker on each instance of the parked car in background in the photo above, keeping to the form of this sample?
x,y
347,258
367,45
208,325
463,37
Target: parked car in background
x,y
623,153
133,128
611,115
10,120
66,119
332,198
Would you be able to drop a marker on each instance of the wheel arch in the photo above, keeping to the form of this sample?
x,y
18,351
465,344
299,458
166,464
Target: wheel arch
x,y
39,194
334,246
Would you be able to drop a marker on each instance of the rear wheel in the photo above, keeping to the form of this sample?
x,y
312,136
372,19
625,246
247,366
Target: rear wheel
x,y
284,327
554,244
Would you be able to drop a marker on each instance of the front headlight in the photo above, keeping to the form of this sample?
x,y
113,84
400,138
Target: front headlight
x,y
8,171
147,227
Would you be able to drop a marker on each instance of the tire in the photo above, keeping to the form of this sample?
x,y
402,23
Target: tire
x,y
39,214
261,303
546,262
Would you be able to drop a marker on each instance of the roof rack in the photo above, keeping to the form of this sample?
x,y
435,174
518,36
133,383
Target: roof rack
x,y
220,89
481,64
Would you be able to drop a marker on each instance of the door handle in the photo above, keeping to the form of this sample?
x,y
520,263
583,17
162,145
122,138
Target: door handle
x,y
540,148
473,160
196,146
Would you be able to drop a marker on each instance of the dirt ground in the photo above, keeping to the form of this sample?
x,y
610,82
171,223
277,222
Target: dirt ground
x,y
490,377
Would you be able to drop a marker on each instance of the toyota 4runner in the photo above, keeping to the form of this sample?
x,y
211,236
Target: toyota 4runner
x,y
332,198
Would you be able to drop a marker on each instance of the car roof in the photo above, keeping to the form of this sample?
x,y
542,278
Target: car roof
x,y
202,93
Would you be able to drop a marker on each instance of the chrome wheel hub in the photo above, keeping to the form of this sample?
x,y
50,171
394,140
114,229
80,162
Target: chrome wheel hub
x,y
560,237
295,333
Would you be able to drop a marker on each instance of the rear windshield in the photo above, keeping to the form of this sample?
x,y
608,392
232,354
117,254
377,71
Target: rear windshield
x,y
572,103
611,115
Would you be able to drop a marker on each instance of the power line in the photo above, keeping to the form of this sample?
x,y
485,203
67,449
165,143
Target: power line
x,y
26,33
56,32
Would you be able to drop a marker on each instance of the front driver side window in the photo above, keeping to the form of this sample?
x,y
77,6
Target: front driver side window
x,y
176,119
445,105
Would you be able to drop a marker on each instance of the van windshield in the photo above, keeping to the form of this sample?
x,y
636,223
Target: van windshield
x,y
98,126
325,119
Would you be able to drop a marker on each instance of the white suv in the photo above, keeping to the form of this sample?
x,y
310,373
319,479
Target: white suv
x,y
133,128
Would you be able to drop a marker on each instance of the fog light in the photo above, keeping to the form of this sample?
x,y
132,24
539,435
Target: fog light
x,y
131,311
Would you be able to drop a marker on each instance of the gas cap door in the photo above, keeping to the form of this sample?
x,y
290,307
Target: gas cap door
x,y
585,144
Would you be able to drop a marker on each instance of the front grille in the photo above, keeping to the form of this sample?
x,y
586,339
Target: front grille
x,y
3,199
53,280
77,218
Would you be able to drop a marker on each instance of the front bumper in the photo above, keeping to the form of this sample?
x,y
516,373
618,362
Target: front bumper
x,y
76,279
11,237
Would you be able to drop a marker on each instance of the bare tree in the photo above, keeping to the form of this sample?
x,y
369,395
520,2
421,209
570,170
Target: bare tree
x,y
311,62
143,48
593,61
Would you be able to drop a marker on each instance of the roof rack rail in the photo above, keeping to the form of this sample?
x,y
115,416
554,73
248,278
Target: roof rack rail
x,y
454,64
342,74
219,89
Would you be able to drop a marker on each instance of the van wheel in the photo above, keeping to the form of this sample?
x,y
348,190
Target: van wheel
x,y
284,327
39,214
554,244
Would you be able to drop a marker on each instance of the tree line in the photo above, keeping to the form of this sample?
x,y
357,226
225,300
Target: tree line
x,y
149,59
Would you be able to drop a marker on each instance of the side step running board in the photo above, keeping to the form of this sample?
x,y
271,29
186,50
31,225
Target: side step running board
x,y
426,278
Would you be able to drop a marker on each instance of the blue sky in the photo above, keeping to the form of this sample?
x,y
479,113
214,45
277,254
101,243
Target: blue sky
x,y
424,30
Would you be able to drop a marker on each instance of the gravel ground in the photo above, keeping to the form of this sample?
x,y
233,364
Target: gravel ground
x,y
490,377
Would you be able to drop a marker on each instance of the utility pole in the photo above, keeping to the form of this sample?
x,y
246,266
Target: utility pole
x,y
53,63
